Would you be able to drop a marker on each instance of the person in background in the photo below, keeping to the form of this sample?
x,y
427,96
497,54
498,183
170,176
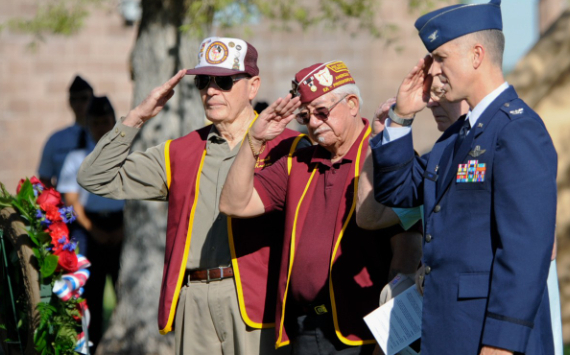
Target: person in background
x,y
99,225
73,137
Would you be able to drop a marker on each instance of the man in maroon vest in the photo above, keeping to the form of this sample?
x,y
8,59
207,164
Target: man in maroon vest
x,y
219,282
332,271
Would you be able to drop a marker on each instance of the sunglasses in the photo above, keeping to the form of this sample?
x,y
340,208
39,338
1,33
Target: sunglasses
x,y
321,113
223,82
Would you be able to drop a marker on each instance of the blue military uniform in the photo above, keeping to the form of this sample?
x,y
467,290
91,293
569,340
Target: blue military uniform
x,y
490,209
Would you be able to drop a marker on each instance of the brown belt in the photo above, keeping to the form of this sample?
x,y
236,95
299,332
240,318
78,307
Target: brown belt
x,y
208,275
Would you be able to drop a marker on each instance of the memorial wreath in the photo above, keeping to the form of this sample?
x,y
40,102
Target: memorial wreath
x,y
60,316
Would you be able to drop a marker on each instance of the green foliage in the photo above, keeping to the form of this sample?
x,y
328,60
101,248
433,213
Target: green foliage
x,y
59,321
352,16
53,17
49,265
66,17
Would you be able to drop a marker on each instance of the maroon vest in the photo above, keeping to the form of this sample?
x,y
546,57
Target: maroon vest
x,y
255,243
360,261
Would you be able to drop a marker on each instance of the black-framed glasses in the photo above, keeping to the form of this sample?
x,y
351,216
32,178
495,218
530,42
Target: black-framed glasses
x,y
321,113
223,82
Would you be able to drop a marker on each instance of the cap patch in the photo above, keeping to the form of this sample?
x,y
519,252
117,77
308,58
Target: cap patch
x,y
216,53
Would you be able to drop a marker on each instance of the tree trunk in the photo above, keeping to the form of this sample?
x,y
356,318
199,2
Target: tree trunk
x,y
160,50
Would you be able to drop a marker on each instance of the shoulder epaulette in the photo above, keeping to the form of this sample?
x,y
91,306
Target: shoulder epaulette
x,y
514,109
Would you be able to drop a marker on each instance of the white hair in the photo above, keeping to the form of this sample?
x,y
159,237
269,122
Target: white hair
x,y
348,89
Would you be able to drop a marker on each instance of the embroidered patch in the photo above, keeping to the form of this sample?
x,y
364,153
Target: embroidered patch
x,y
324,77
471,172
216,53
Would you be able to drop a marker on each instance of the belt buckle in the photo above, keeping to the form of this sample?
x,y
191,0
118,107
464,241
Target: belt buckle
x,y
208,278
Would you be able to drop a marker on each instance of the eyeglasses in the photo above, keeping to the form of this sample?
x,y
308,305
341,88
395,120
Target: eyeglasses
x,y
223,82
321,113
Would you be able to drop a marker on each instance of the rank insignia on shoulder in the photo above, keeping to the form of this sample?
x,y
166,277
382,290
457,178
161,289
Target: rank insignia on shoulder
x,y
471,172
477,151
517,111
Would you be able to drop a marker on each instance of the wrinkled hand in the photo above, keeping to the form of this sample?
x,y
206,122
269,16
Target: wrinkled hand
x,y
489,350
414,92
380,116
420,276
154,102
273,120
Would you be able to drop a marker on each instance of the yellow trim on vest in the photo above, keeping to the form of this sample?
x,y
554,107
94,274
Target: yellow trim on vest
x,y
237,276
167,163
291,151
279,343
341,234
172,312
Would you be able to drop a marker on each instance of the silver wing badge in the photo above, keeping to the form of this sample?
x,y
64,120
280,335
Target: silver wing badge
x,y
477,151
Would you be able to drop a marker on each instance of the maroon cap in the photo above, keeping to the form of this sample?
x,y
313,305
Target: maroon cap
x,y
319,79
222,56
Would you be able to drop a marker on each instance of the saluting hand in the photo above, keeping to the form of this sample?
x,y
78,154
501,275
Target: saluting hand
x,y
380,116
154,102
273,120
413,94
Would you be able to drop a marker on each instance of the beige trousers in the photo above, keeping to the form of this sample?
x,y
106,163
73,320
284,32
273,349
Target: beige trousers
x,y
208,322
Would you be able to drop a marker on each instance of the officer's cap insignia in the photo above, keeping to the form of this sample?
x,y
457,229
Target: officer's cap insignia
x,y
433,36
517,111
477,151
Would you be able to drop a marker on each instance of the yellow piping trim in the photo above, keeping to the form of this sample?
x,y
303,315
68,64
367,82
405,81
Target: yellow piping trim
x,y
291,151
237,276
167,163
279,343
341,234
172,312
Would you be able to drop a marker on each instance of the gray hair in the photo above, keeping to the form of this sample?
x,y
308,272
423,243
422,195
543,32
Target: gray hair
x,y
492,40
348,89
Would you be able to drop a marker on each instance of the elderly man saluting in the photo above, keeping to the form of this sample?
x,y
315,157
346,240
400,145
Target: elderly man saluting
x,y
218,289
332,271
488,188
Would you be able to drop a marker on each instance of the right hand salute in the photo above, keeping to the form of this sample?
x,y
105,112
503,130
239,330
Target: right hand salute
x,y
274,119
414,92
154,102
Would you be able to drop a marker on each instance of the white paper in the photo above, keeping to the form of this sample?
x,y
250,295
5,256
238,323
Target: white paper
x,y
398,322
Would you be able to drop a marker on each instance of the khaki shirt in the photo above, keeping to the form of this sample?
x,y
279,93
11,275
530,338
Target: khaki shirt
x,y
110,171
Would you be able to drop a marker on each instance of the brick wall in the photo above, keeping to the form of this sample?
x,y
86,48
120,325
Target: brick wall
x,y
34,83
